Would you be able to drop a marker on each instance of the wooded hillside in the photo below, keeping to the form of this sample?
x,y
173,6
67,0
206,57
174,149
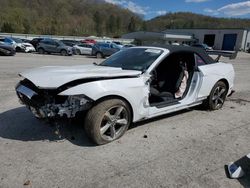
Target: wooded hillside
x,y
187,20
66,17
95,17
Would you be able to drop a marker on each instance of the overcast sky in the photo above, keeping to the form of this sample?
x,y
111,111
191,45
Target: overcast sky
x,y
220,8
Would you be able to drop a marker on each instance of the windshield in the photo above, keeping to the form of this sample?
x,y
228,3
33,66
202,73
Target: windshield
x,y
17,40
133,58
60,43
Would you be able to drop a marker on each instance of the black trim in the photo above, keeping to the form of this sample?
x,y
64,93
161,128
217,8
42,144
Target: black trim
x,y
165,103
87,80
200,51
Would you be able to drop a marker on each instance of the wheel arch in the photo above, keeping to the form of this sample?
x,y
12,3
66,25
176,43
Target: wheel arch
x,y
99,52
116,97
225,81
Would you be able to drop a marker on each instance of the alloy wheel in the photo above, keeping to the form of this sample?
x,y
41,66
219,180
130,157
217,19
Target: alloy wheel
x,y
113,123
219,96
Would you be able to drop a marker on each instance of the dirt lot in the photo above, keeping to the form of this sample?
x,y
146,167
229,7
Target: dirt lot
x,y
185,149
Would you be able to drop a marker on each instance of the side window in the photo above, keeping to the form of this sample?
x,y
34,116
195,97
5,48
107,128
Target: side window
x,y
46,42
8,40
199,61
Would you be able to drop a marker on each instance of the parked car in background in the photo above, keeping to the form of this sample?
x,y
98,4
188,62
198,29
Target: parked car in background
x,y
70,42
129,45
89,41
101,50
20,47
7,49
54,46
23,46
18,44
26,40
82,49
9,41
118,44
35,41
204,46
29,47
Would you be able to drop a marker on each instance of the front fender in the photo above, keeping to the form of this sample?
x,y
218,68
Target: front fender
x,y
133,90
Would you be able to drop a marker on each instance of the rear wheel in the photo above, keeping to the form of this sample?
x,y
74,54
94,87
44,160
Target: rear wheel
x,y
217,96
107,121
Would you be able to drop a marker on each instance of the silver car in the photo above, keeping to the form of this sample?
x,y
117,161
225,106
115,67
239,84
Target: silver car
x,y
82,49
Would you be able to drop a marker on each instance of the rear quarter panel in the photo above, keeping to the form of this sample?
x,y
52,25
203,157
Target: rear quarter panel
x,y
212,73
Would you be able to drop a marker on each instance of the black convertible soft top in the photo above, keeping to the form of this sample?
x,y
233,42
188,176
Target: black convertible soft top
x,y
199,51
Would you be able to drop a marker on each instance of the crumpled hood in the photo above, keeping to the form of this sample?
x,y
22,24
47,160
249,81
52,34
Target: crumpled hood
x,y
56,76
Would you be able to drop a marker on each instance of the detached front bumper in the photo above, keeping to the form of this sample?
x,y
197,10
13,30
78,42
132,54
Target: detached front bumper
x,y
52,106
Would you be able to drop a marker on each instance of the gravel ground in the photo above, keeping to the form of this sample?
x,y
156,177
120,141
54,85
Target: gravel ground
x,y
184,149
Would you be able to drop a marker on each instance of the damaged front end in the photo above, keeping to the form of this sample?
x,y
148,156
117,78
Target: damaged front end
x,y
48,104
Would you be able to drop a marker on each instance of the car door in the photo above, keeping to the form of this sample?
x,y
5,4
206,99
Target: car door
x,y
190,96
55,47
85,49
114,48
49,46
105,49
88,49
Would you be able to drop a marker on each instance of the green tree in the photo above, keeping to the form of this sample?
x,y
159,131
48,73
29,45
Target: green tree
x,y
144,26
7,28
98,23
111,25
118,25
26,26
132,25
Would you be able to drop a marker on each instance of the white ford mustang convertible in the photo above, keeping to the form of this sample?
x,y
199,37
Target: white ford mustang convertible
x,y
132,85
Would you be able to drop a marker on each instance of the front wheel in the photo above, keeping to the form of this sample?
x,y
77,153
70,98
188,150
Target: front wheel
x,y
64,53
107,121
99,55
78,52
41,51
217,96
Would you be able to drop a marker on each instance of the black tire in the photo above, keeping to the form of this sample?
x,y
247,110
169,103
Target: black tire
x,y
64,53
18,49
217,96
78,52
107,121
41,51
99,55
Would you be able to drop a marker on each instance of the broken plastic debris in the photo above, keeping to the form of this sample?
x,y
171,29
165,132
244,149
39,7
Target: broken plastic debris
x,y
26,183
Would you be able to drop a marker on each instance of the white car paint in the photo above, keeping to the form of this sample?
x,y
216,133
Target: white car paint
x,y
85,49
134,90
28,47
55,76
